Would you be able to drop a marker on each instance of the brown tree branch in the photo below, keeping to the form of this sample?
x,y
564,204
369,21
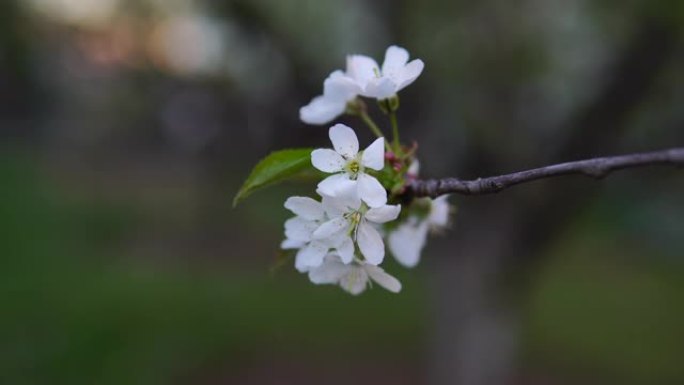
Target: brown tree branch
x,y
596,168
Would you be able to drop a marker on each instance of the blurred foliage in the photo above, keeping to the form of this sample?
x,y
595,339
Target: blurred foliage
x,y
69,318
608,310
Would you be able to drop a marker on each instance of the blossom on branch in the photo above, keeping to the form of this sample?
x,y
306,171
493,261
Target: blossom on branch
x,y
348,166
341,237
362,77
407,241
350,218
382,83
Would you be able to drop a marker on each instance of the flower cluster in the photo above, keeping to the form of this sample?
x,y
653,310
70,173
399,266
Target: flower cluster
x,y
340,237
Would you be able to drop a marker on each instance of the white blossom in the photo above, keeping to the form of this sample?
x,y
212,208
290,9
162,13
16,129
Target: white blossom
x,y
382,83
350,218
408,240
338,90
348,166
353,277
439,213
362,77
299,234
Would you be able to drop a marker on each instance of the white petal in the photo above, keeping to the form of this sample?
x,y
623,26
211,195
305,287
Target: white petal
x,y
327,160
322,109
410,73
362,69
299,229
334,207
344,140
355,281
439,212
382,88
340,87
336,240
370,243
305,207
383,214
406,243
341,204
310,256
371,191
374,155
336,184
341,76
331,271
288,244
346,250
331,228
395,60
383,279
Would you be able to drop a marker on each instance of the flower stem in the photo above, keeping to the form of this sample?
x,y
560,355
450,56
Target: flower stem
x,y
395,131
373,127
371,124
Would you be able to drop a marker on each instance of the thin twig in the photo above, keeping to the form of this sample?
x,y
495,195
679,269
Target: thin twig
x,y
371,124
596,168
395,131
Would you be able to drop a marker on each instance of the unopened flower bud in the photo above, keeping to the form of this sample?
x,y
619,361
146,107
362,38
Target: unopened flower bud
x,y
355,106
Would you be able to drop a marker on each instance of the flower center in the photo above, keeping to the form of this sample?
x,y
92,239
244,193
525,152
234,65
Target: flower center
x,y
354,218
354,168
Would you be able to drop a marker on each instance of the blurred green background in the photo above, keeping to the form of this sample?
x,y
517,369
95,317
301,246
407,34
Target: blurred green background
x,y
127,126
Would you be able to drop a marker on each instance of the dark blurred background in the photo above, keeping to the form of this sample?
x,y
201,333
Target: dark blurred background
x,y
127,126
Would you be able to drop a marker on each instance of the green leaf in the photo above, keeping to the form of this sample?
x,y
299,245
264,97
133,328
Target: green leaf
x,y
276,167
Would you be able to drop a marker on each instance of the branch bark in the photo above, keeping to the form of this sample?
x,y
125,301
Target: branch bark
x,y
596,168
